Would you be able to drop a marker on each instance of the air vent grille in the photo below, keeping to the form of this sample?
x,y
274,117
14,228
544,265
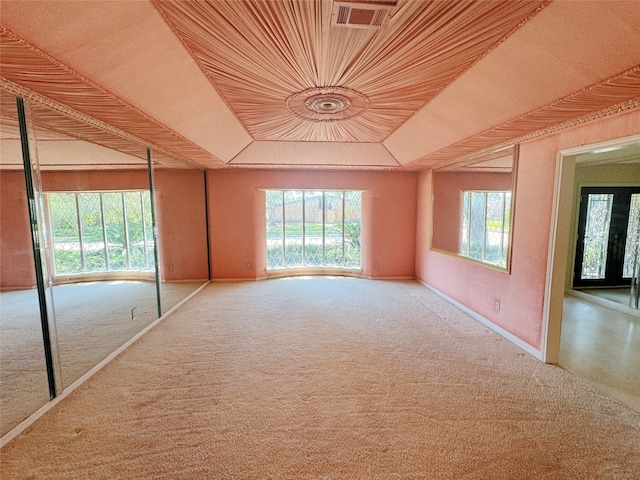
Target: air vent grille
x,y
361,14
343,15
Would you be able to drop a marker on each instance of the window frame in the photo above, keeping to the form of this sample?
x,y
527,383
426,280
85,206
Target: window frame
x,y
324,267
504,232
130,272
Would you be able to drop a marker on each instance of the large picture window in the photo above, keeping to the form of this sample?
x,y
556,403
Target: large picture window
x,y
485,226
313,229
101,232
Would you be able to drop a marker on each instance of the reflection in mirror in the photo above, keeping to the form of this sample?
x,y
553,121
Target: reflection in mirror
x,y
100,247
473,205
23,376
180,198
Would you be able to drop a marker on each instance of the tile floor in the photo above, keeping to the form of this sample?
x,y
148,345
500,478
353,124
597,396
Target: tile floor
x,y
618,295
602,345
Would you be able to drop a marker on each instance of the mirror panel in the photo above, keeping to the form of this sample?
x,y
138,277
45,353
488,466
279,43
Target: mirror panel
x,y
180,198
97,210
23,377
472,207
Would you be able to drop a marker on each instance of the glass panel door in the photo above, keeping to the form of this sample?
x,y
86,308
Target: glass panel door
x,y
632,251
633,234
607,236
596,236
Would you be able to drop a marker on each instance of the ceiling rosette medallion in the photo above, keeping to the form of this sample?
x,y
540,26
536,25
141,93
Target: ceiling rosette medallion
x,y
327,104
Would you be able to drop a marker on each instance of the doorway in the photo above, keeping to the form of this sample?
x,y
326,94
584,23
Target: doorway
x,y
596,187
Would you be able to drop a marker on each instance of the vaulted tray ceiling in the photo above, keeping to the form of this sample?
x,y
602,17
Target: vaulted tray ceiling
x,y
261,54
273,84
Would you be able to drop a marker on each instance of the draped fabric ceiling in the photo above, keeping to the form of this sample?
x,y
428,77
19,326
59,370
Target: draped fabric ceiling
x,y
69,143
224,84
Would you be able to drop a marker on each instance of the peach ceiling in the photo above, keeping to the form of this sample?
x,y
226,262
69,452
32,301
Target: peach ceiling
x,y
67,143
223,84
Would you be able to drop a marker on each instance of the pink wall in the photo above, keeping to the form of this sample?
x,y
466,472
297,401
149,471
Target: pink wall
x,y
181,219
237,218
17,269
520,292
447,214
79,181
180,216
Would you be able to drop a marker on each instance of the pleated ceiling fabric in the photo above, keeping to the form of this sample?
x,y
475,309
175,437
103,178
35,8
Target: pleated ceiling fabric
x,y
612,96
264,57
54,126
26,70
259,53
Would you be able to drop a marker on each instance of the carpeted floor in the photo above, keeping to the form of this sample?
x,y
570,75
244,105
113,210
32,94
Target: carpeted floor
x,y
92,320
328,378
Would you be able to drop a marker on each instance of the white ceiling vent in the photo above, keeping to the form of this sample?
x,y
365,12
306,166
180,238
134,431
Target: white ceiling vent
x,y
362,14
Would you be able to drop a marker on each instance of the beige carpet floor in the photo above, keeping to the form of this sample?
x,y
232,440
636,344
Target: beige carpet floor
x,y
327,378
92,320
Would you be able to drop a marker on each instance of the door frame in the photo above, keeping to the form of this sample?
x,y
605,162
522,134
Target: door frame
x,y
560,235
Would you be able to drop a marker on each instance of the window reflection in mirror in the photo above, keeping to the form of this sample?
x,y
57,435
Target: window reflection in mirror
x,y
97,245
473,207
99,238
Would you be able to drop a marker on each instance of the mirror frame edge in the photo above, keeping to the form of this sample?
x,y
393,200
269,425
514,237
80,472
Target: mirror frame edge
x,y
515,148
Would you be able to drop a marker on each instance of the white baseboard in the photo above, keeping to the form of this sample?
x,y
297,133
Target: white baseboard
x,y
393,278
189,280
604,302
242,279
508,335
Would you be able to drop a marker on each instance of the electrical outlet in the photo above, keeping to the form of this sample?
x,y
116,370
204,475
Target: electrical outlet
x,y
133,313
496,305
248,266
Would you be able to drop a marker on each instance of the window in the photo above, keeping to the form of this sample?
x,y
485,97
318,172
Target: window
x,y
313,229
485,226
101,232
